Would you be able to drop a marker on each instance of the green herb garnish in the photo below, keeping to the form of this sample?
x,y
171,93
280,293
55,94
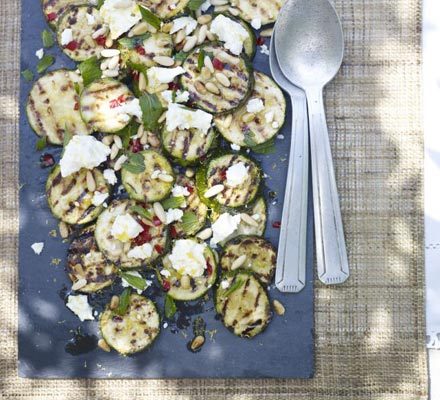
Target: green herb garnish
x,y
45,63
189,221
236,285
142,212
201,60
124,302
131,43
181,56
47,38
173,202
135,163
90,70
151,111
194,5
27,74
149,17
41,143
262,148
170,307
136,281
77,87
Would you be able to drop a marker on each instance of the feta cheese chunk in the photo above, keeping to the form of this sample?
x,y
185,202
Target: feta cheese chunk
x,y
180,191
130,108
230,32
125,284
264,49
224,284
142,252
99,198
82,152
187,257
236,174
39,53
182,117
174,214
110,176
90,19
256,23
80,306
66,37
120,16
224,227
125,228
37,248
158,75
255,105
181,96
187,23
235,147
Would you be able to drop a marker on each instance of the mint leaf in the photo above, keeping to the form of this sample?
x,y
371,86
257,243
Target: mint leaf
x,y
41,143
131,43
45,63
135,163
189,221
173,202
265,148
151,111
124,302
47,38
181,56
90,70
170,307
194,5
149,17
27,74
138,283
249,139
141,211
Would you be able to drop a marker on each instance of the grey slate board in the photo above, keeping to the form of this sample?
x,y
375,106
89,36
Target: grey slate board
x,y
284,350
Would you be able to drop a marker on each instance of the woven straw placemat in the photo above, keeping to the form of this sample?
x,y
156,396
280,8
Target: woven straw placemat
x,y
370,332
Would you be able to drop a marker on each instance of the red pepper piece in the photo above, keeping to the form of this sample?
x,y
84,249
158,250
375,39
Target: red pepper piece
x,y
73,45
217,64
52,16
144,236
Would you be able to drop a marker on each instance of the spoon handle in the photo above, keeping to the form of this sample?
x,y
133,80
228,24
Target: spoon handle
x,y
331,252
291,259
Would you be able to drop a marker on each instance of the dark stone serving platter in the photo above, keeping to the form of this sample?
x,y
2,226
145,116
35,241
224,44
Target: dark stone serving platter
x,y
47,327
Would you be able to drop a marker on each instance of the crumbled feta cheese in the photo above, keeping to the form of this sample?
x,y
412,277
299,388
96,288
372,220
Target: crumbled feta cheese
x,y
142,252
37,248
269,116
183,118
110,176
275,124
174,214
125,228
80,306
180,191
120,16
223,227
129,108
181,96
256,23
281,137
187,257
235,147
264,49
99,198
255,105
158,75
66,37
165,325
90,19
236,174
82,151
230,32
224,284
39,53
187,23
165,273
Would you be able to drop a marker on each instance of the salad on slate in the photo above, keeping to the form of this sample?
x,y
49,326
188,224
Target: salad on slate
x,y
158,123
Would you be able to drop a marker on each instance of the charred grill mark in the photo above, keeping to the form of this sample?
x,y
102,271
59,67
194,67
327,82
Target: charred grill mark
x,y
68,186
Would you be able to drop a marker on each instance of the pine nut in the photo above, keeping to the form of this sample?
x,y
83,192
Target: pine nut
x,y
162,87
204,19
114,302
197,342
227,58
166,178
89,40
118,141
210,36
166,28
248,117
180,37
114,151
91,184
103,345
64,230
138,29
80,283
214,191
110,73
191,41
212,87
144,139
108,53
185,282
204,234
278,307
219,9
113,63
233,11
160,212
208,64
201,36
219,2
151,28
100,32
247,219
163,60
205,73
153,140
118,164
238,262
127,246
109,42
189,173
107,140
140,131
162,117
142,83
223,79
266,32
200,87
227,121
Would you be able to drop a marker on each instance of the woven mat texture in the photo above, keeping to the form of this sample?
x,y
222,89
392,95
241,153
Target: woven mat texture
x,y
370,332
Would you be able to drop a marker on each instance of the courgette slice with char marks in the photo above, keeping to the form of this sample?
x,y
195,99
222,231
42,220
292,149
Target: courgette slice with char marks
x,y
140,50
85,261
155,233
69,198
149,186
206,91
52,106
100,102
53,9
266,123
185,287
242,303
194,205
133,331
77,19
260,256
164,9
234,194
264,10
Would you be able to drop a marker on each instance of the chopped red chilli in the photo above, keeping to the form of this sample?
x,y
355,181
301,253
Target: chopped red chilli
x,y
100,40
52,16
260,41
217,64
276,224
73,45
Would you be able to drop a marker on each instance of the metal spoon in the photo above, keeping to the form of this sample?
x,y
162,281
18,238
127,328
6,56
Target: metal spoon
x,y
291,260
309,46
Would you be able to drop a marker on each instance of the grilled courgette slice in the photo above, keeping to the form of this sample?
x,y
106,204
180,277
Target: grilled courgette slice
x,y
53,9
233,196
148,186
260,256
77,19
206,91
186,287
165,9
133,331
193,205
140,50
242,304
85,261
69,198
264,10
52,106
266,123
155,233
99,105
